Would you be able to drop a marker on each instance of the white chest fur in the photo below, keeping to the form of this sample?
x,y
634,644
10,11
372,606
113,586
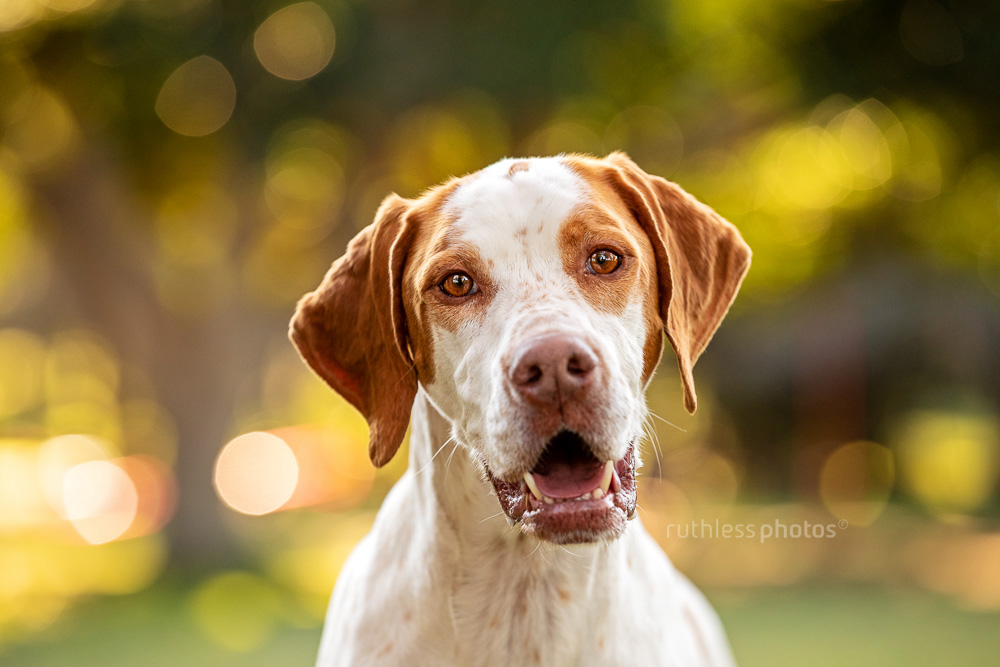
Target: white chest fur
x,y
443,580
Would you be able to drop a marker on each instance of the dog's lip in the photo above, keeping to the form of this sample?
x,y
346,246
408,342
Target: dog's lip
x,y
588,517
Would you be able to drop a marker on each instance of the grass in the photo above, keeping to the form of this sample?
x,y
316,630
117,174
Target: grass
x,y
796,626
857,627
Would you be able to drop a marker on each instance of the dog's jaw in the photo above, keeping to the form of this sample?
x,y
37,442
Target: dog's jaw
x,y
597,514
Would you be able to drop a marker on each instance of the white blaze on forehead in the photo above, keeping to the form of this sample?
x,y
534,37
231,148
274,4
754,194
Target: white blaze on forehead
x,y
506,212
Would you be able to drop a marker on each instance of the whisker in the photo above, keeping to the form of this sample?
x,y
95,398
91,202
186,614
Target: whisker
x,y
654,439
434,456
668,423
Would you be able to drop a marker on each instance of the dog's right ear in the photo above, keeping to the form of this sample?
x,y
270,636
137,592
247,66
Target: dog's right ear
x,y
352,332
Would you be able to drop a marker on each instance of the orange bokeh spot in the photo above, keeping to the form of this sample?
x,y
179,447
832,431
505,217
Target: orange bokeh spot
x,y
256,473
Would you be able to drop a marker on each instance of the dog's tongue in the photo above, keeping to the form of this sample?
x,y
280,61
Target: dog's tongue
x,y
563,480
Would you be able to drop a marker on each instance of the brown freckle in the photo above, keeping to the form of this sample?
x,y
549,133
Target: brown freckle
x,y
541,225
524,607
537,656
407,616
563,595
494,622
600,643
521,233
518,166
538,277
385,651
490,263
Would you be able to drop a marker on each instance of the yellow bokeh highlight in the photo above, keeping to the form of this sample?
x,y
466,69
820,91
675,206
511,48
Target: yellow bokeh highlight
x,y
432,143
256,473
237,610
864,147
296,42
17,13
304,188
311,570
198,98
949,462
564,136
22,503
41,129
807,169
856,481
22,356
69,6
196,222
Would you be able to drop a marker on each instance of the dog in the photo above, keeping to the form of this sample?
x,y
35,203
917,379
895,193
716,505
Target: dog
x,y
512,318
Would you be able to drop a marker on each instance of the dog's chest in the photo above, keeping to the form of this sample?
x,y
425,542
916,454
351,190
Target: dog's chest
x,y
512,606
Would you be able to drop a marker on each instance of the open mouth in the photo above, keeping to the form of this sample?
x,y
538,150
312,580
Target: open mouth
x,y
570,496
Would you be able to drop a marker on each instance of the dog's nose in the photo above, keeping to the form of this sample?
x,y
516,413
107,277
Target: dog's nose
x,y
553,369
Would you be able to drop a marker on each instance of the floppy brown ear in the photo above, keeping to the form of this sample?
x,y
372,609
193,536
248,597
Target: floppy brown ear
x,y
352,332
701,260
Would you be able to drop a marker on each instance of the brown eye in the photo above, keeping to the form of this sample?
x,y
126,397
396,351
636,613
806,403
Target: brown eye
x,y
603,262
457,284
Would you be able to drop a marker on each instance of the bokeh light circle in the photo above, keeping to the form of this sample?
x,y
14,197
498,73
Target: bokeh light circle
x,y
256,473
100,500
856,481
296,42
198,98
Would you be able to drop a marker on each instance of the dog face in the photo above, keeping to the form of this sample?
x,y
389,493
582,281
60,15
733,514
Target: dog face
x,y
529,301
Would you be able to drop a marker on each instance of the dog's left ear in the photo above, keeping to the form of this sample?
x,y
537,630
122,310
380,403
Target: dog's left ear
x,y
352,329
700,259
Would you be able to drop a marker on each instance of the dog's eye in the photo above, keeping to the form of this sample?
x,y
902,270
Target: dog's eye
x,y
603,262
457,284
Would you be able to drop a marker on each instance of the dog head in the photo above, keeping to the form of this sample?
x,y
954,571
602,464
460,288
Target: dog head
x,y
529,300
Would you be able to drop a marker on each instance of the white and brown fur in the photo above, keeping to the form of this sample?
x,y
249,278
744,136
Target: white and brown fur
x,y
443,578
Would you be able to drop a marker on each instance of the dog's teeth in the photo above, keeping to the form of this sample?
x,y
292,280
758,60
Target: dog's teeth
x,y
616,482
548,501
598,494
530,481
609,469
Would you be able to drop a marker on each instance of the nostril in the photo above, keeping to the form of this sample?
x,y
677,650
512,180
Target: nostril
x,y
531,375
575,366
580,364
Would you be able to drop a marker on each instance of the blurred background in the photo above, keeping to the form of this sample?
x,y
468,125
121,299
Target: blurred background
x,y
177,488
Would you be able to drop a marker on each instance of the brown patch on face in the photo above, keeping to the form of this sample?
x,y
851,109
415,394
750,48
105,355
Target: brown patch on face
x,y
436,254
432,224
385,651
605,217
563,595
521,233
521,165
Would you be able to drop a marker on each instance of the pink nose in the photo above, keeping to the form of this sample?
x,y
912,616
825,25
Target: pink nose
x,y
552,370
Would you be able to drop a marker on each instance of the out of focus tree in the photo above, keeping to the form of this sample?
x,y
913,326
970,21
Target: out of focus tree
x,y
173,175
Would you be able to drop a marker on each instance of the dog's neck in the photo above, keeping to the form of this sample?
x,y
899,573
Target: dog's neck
x,y
449,480
476,550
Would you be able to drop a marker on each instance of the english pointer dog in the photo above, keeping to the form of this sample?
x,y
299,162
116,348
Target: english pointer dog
x,y
512,319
